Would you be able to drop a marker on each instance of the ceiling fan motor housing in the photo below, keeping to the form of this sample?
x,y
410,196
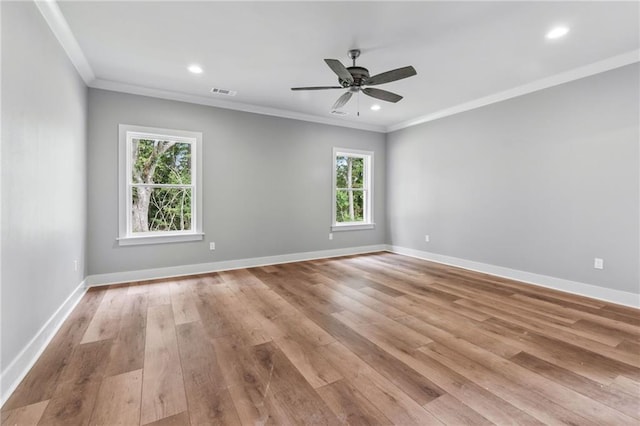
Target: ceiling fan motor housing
x,y
359,74
355,78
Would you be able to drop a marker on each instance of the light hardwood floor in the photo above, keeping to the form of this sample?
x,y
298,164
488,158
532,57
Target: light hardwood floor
x,y
371,339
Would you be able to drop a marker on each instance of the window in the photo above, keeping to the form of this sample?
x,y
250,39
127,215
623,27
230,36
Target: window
x,y
352,189
160,185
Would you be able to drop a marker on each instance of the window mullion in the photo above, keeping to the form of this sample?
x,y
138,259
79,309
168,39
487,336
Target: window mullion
x,y
161,185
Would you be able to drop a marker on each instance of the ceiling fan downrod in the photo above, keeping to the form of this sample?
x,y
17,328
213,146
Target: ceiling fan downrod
x,y
353,54
356,79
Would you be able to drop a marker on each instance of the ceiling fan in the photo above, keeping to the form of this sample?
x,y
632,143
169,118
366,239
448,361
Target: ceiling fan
x,y
356,79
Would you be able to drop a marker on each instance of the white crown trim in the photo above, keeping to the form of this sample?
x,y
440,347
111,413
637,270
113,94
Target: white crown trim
x,y
222,103
60,28
58,24
555,80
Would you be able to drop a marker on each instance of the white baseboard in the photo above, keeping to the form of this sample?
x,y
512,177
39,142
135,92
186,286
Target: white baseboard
x,y
574,287
202,268
11,377
567,286
15,372
22,363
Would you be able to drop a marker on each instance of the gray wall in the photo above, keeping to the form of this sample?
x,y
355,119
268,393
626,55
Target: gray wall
x,y
541,183
266,182
43,176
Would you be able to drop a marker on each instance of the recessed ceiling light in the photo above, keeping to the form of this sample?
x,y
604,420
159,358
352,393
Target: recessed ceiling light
x,y
196,69
557,32
375,107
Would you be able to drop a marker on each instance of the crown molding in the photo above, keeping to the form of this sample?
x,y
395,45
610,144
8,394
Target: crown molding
x,y
116,86
60,28
555,80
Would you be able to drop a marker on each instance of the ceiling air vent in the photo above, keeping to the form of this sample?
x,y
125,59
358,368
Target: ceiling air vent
x,y
225,92
338,112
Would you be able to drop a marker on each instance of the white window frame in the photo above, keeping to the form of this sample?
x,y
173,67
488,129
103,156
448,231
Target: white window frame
x,y
126,133
368,222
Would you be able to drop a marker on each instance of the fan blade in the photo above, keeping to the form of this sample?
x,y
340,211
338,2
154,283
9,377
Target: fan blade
x,y
340,70
393,75
317,88
381,94
342,100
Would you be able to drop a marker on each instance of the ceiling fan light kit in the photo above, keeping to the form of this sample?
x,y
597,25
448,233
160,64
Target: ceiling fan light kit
x,y
356,79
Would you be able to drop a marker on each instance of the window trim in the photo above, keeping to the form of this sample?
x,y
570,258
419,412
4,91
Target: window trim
x,y
126,132
368,179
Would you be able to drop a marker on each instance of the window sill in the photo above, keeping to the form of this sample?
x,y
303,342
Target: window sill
x,y
159,239
352,227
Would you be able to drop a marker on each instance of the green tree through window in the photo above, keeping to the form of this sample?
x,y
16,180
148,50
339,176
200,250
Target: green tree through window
x,y
352,187
349,191
159,185
161,190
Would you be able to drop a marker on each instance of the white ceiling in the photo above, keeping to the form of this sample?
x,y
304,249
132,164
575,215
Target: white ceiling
x,y
464,52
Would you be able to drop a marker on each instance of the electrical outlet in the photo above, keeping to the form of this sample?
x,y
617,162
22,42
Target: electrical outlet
x,y
426,238
75,266
212,246
330,236
598,263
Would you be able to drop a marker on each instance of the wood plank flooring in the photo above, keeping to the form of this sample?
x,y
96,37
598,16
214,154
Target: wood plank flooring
x,y
371,339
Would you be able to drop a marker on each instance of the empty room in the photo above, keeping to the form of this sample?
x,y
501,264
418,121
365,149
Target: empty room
x,y
297,212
